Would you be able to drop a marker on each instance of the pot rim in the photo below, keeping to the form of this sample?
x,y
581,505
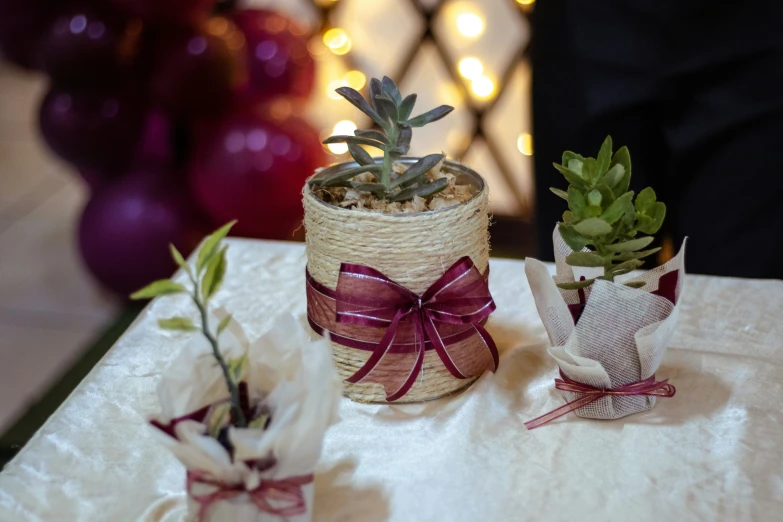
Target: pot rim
x,y
453,167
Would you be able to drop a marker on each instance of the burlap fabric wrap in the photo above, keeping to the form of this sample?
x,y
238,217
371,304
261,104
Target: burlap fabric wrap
x,y
412,249
621,335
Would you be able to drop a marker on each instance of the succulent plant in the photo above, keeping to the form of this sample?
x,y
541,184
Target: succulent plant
x,y
392,113
604,226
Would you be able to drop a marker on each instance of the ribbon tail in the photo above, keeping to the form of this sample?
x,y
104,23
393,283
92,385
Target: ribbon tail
x,y
379,352
490,343
434,336
562,410
416,370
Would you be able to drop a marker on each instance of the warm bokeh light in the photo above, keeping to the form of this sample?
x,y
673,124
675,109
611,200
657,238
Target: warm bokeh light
x,y
342,128
470,24
355,79
324,3
337,41
316,47
526,2
471,68
331,89
483,87
525,144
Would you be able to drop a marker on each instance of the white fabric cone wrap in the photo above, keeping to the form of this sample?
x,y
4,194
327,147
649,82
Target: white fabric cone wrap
x,y
621,335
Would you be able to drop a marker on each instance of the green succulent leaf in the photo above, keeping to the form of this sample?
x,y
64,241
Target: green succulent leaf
x,y
559,193
212,245
375,89
630,246
568,156
177,257
417,169
653,224
624,256
422,191
622,157
645,201
572,177
224,324
430,116
613,176
214,275
593,227
387,108
356,99
339,177
594,198
569,217
626,266
406,107
604,156
360,155
403,144
356,140
159,288
374,188
372,135
617,209
576,285
593,211
182,324
390,88
577,166
590,170
589,259
576,202
572,238
607,196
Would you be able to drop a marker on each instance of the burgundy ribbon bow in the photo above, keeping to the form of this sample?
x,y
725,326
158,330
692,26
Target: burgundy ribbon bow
x,y
397,323
282,498
649,387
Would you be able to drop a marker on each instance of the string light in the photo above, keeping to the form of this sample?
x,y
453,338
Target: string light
x,y
355,79
470,24
342,128
526,2
483,87
337,41
525,144
331,89
471,68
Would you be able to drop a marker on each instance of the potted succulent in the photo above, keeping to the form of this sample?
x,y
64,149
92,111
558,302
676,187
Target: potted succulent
x,y
398,259
247,419
608,327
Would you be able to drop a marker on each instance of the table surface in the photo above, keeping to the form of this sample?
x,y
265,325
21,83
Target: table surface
x,y
712,452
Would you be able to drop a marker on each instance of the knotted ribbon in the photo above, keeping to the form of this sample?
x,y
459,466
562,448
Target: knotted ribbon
x,y
398,325
647,387
282,498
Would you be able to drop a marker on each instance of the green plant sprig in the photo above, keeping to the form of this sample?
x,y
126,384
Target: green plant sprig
x,y
206,277
392,113
602,214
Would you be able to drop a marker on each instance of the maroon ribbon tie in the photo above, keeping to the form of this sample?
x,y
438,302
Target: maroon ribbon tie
x,y
647,387
282,498
452,309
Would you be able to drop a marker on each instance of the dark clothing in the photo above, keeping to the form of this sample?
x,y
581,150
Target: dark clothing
x,y
695,90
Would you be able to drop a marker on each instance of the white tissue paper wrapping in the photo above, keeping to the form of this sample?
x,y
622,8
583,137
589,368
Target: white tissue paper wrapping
x,y
621,336
302,389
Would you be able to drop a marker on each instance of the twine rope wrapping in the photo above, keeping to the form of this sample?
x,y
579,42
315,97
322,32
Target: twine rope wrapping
x,y
390,319
647,387
412,249
282,498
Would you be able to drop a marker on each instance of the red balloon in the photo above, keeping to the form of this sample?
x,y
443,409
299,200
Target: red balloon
x,y
165,11
196,70
252,169
278,62
126,228
84,47
95,130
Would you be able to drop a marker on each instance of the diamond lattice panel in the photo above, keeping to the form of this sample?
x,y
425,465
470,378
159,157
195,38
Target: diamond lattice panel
x,y
491,30
381,31
506,123
501,198
302,11
430,80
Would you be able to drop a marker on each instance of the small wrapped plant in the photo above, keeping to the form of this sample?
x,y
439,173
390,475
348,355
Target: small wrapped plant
x,y
391,112
603,225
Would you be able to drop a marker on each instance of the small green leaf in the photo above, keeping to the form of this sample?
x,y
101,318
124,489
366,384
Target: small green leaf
x,y
387,108
576,285
340,176
372,135
590,170
235,368
568,156
653,224
218,419
625,267
589,259
622,157
594,198
577,166
357,140
569,216
428,189
360,155
624,256
645,201
607,196
613,176
403,144
593,211
158,288
559,193
572,177
356,99
573,239
417,169
430,116
182,324
213,277
593,227
616,210
177,256
635,284
389,88
406,107
374,188
211,246
630,246
224,324
605,156
576,202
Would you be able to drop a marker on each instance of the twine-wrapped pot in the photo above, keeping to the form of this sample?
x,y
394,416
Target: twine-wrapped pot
x,y
413,249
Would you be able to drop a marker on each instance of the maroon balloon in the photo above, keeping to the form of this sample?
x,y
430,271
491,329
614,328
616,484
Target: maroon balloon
x,y
252,169
197,70
96,130
165,11
22,25
84,47
278,62
127,226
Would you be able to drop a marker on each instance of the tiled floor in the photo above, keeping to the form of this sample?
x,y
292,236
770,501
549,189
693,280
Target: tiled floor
x,y
50,309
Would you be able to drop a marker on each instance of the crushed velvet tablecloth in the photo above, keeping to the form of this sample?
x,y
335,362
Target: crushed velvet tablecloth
x,y
712,452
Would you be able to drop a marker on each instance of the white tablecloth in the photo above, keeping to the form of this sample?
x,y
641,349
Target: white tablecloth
x,y
713,452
